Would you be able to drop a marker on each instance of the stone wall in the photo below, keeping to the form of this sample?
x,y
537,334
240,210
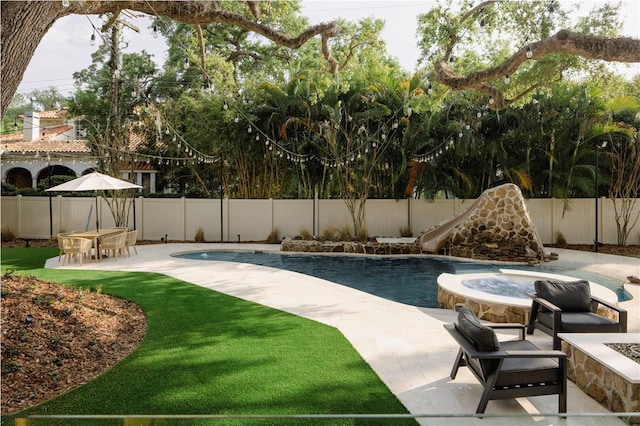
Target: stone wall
x,y
492,312
369,247
602,384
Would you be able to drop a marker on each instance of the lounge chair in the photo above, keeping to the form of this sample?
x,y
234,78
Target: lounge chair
x,y
510,369
569,307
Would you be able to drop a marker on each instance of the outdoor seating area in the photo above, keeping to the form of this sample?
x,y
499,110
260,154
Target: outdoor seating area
x,y
508,369
569,307
96,245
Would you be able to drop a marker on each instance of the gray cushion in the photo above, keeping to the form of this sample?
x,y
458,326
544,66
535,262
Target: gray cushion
x,y
482,337
573,296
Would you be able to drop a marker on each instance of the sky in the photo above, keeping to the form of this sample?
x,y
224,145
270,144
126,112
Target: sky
x,y
65,49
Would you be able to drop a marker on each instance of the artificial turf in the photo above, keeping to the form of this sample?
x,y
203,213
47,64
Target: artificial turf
x,y
206,353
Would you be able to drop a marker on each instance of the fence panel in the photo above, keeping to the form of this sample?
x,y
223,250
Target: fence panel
x,y
249,220
292,216
205,214
162,217
385,218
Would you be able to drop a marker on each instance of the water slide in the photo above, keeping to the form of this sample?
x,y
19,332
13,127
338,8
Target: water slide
x,y
433,239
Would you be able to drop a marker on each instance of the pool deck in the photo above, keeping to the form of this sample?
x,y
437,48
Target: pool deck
x,y
406,346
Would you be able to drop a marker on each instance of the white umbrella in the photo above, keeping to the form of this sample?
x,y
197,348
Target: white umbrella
x,y
94,182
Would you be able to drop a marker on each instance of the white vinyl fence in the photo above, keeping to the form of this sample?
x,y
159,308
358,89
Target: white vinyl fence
x,y
178,219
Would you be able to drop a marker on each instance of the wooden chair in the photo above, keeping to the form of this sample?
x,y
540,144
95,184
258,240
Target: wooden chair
x,y
510,369
130,242
113,244
569,307
76,247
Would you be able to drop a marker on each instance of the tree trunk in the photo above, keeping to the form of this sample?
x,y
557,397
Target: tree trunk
x,y
23,25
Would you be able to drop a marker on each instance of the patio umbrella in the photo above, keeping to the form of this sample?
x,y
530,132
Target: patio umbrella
x,y
94,182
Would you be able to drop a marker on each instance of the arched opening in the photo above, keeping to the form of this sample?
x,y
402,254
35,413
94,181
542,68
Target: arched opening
x,y
54,170
19,177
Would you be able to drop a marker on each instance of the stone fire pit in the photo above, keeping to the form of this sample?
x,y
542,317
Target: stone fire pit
x,y
605,373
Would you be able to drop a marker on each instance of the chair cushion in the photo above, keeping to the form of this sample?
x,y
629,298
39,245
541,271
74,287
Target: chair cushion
x,y
580,322
483,338
524,371
573,296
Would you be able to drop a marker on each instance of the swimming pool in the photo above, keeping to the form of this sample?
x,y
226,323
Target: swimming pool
x,y
406,279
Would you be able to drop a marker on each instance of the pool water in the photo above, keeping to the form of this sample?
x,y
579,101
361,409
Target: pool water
x,y
511,286
406,279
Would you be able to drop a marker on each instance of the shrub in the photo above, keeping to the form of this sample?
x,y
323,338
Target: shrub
x,y
199,238
8,189
329,233
345,233
406,231
274,236
7,233
305,234
561,241
363,235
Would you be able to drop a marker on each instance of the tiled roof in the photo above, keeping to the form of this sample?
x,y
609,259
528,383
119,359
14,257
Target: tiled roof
x,y
18,145
51,114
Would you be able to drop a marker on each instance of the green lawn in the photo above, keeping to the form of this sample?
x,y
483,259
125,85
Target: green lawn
x,y
209,353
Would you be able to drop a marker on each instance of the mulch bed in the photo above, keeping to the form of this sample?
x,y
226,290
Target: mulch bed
x,y
55,338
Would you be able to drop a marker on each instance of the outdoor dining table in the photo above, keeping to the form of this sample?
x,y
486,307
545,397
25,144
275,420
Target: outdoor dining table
x,y
95,236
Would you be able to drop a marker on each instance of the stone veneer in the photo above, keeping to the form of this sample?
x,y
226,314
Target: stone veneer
x,y
598,378
498,227
493,312
369,247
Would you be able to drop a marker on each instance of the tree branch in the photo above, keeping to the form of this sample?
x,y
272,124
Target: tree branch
x,y
623,49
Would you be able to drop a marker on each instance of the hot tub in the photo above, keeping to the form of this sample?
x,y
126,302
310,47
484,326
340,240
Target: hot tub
x,y
501,296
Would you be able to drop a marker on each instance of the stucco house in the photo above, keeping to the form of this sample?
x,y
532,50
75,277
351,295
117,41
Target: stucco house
x,y
50,144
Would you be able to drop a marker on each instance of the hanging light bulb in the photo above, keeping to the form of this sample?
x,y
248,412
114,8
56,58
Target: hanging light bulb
x,y
507,79
15,124
65,3
167,131
186,63
225,106
451,59
482,24
430,89
155,31
249,129
479,114
491,101
529,53
92,41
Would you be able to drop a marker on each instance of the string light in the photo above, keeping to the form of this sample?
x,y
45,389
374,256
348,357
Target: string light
x,y
430,89
186,64
529,53
92,41
507,78
65,3
155,31
491,100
